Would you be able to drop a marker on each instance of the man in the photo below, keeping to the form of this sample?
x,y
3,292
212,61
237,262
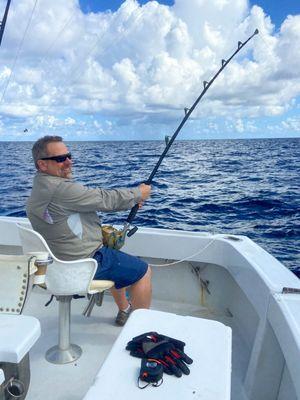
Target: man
x,y
64,213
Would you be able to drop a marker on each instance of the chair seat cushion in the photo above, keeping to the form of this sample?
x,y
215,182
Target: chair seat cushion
x,y
99,285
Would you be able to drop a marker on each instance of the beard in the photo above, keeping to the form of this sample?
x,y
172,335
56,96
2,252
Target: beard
x,y
67,173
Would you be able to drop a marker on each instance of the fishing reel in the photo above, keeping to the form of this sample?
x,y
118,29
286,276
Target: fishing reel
x,y
127,230
115,238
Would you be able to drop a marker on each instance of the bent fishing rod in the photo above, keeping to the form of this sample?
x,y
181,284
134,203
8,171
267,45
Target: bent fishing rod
x,y
188,112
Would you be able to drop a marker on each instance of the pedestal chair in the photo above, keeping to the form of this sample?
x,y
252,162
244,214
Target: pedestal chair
x,y
63,279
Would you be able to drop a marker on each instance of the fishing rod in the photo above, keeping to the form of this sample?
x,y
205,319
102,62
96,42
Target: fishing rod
x,y
3,22
188,112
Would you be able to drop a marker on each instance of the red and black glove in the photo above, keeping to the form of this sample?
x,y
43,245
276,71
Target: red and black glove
x,y
169,356
135,345
169,352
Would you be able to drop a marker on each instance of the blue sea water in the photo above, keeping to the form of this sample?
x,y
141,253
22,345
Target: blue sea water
x,y
244,187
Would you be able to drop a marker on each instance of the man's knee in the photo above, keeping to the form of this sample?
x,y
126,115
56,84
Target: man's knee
x,y
146,277
148,273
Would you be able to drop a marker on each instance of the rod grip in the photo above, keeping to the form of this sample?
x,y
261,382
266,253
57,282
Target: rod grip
x,y
132,213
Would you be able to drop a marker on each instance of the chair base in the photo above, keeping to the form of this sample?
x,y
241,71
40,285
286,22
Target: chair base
x,y
55,355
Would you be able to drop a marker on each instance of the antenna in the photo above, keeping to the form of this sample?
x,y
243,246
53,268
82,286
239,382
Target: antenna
x,y
3,22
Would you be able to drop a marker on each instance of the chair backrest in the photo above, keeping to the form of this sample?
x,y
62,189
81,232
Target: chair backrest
x,y
15,283
9,235
10,242
62,277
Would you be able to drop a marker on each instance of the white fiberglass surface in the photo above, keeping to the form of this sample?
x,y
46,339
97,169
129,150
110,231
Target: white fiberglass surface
x,y
95,335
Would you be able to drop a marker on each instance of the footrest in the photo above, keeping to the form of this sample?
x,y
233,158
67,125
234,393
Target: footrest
x,y
208,343
18,333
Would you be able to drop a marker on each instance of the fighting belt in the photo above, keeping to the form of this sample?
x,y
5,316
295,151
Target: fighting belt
x,y
112,237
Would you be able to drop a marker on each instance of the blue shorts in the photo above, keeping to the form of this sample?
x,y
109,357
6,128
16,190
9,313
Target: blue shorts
x,y
114,265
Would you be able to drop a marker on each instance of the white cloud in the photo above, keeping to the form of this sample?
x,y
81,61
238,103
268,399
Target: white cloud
x,y
292,124
239,126
5,73
70,121
146,63
19,110
46,121
96,124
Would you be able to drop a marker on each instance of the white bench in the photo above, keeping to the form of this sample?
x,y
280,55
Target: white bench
x,y
18,333
208,343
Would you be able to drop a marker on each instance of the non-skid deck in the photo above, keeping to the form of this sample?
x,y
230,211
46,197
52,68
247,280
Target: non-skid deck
x,y
96,336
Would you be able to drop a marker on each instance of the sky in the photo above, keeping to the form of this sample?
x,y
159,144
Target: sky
x,y
125,70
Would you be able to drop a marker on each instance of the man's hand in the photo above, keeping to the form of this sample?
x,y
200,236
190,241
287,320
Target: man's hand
x,y
145,191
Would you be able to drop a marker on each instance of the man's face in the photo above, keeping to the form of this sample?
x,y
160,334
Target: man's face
x,y
51,167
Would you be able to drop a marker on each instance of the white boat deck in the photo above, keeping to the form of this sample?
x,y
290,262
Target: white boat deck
x,y
96,335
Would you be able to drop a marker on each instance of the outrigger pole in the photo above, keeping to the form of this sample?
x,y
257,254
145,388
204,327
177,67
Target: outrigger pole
x,y
188,112
3,22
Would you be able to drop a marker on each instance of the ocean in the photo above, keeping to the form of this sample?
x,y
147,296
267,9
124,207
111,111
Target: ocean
x,y
243,187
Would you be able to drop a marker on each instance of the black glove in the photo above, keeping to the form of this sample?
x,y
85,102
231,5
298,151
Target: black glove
x,y
166,350
148,336
135,345
166,353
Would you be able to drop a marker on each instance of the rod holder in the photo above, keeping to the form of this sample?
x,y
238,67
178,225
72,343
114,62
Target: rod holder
x,y
41,261
15,389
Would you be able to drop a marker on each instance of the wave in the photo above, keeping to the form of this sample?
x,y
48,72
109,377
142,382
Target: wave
x,y
247,187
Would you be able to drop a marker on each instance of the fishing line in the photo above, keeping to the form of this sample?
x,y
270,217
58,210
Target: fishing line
x,y
188,111
116,40
57,36
186,258
77,70
75,73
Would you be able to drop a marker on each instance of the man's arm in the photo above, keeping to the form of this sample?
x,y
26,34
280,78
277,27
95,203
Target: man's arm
x,y
145,192
77,197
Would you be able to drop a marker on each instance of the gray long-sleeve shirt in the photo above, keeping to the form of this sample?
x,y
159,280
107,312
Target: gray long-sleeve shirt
x,y
64,213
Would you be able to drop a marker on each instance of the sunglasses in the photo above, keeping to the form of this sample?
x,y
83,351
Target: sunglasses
x,y
59,159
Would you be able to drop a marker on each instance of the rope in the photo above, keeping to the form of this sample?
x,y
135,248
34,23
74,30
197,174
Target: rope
x,y
186,258
18,52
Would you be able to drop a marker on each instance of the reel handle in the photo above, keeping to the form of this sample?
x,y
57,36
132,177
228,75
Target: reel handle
x,y
132,231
